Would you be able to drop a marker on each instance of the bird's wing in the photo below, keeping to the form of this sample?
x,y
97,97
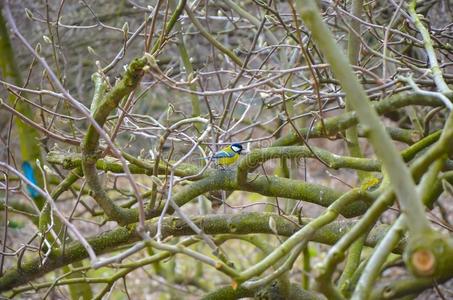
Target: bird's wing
x,y
223,153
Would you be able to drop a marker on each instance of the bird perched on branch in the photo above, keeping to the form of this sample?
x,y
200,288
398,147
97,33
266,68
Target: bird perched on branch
x,y
228,155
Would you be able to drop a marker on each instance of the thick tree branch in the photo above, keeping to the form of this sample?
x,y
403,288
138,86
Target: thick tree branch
x,y
239,224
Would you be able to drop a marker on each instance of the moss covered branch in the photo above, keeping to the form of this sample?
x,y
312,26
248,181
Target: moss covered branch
x,y
259,156
239,224
400,178
334,125
90,144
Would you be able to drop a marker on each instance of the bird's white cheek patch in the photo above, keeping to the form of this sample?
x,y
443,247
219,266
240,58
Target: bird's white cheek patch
x,y
235,149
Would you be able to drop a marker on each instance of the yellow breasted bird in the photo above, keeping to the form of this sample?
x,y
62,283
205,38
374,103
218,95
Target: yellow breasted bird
x,y
228,155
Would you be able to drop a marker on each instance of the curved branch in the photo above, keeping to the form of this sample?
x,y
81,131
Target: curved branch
x,y
90,143
240,224
336,124
257,157
397,289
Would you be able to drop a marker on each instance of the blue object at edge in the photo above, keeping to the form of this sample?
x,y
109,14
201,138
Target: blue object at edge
x,y
29,173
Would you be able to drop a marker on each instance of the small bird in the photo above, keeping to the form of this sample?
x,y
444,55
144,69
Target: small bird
x,y
228,155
